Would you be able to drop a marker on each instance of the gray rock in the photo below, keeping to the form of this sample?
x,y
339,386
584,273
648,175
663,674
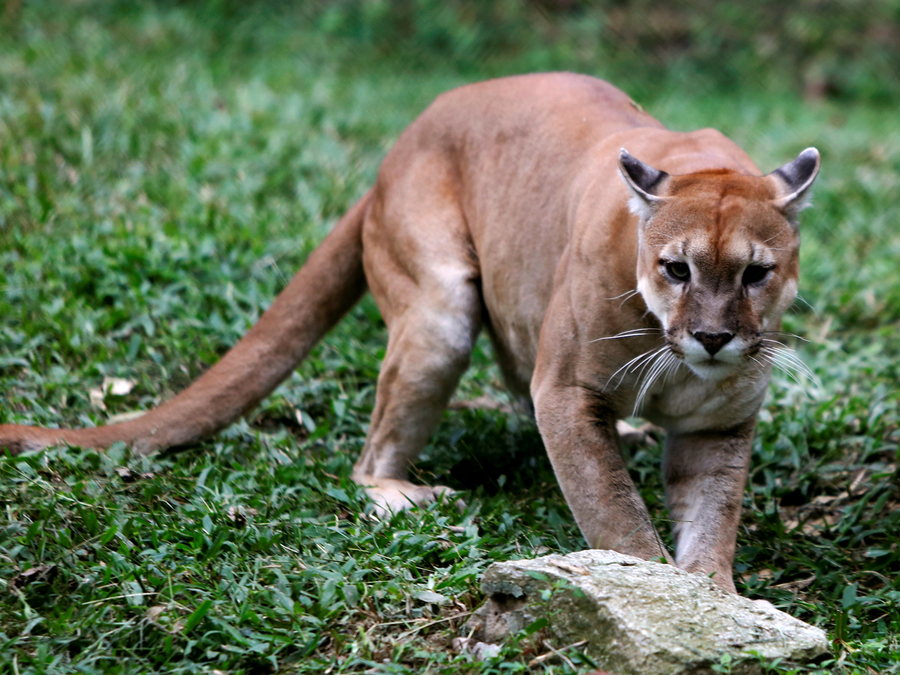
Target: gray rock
x,y
639,617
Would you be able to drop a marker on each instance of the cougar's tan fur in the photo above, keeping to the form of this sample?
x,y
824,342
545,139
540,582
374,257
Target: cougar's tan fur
x,y
609,285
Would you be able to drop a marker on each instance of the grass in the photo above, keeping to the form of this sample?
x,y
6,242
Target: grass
x,y
162,174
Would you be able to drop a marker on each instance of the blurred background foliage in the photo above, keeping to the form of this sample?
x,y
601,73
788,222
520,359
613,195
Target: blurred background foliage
x,y
829,48
839,49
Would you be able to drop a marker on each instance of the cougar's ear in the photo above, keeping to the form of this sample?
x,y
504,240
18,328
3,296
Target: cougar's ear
x,y
645,184
793,180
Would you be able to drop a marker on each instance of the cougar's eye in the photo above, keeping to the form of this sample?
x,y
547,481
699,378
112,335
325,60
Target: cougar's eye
x,y
755,274
679,271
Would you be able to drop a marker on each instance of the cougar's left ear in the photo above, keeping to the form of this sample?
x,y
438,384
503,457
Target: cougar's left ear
x,y
645,184
793,180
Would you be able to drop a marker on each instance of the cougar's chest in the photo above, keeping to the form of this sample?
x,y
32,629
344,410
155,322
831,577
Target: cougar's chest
x,y
687,404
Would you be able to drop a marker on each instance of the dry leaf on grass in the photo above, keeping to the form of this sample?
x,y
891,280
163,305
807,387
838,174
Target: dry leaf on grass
x,y
125,416
96,396
481,403
431,597
643,435
112,386
479,651
39,573
764,573
153,613
238,515
796,585
128,476
117,386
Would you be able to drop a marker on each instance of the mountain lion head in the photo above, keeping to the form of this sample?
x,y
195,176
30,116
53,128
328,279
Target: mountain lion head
x,y
718,256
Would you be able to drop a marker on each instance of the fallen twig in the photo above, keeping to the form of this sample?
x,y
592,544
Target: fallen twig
x,y
536,661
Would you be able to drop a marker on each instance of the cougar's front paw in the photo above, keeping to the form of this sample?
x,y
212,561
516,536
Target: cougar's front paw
x,y
390,495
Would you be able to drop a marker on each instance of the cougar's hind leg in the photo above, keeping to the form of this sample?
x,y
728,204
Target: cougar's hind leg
x,y
424,279
420,371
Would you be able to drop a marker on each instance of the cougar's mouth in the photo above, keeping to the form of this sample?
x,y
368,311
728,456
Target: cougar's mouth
x,y
708,366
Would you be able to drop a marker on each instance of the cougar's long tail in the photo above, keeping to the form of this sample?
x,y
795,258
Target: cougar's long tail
x,y
327,286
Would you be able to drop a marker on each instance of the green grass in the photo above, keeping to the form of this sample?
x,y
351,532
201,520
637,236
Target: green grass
x,y
162,173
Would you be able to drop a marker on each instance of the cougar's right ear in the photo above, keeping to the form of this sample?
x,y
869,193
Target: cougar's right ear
x,y
645,184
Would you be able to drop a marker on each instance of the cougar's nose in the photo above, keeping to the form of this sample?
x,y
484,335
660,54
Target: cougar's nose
x,y
713,342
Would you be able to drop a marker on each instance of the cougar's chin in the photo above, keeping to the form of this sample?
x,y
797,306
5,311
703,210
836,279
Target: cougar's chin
x,y
712,369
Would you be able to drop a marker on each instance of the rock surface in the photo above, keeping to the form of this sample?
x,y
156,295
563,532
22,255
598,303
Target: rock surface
x,y
639,617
